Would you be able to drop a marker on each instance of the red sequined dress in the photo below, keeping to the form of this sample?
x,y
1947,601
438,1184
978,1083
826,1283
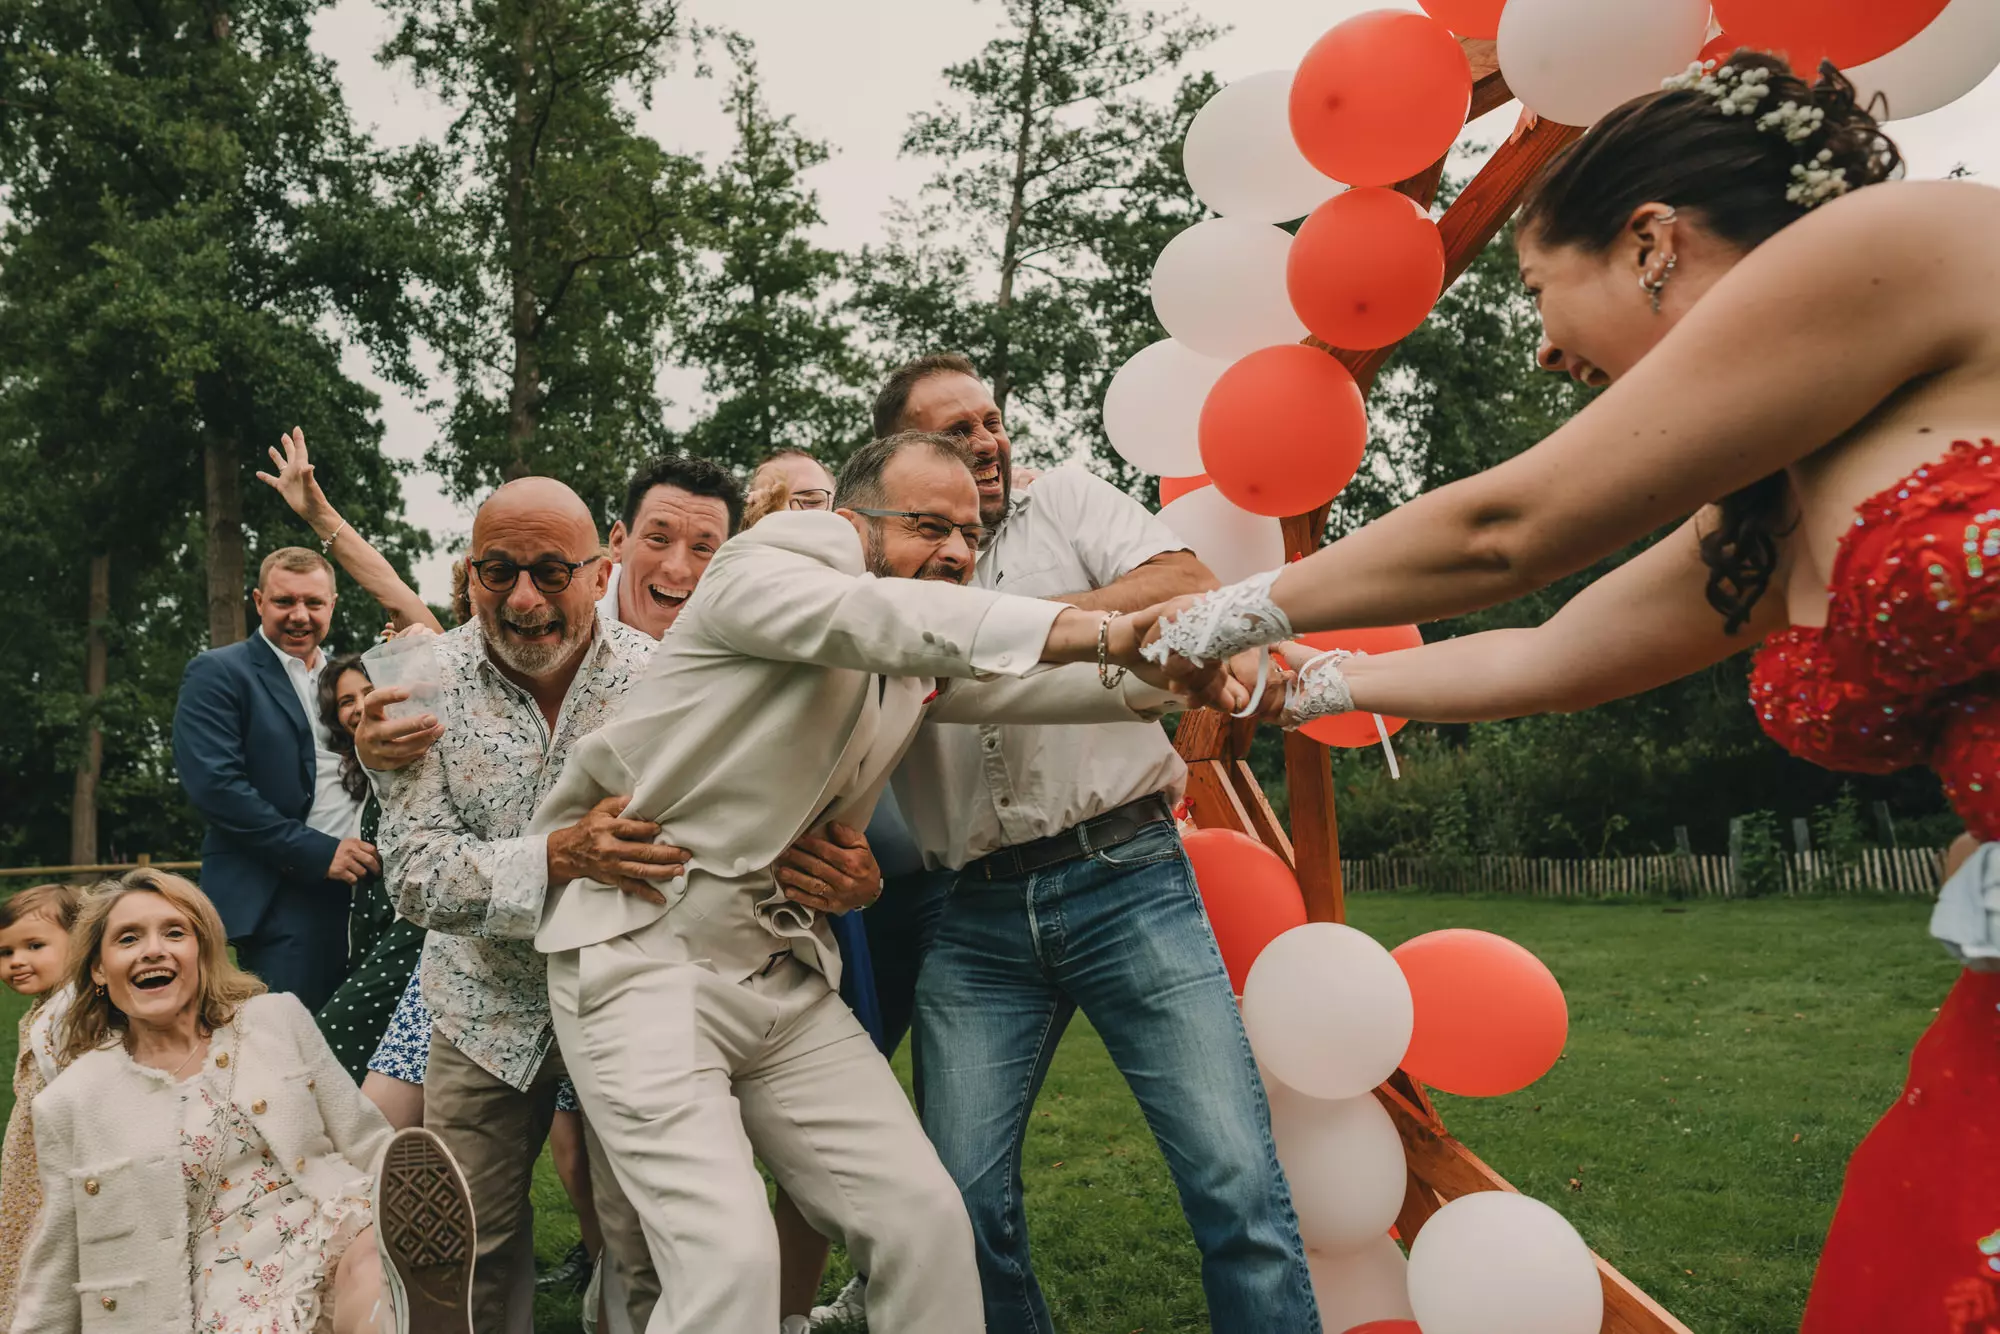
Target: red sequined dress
x,y
1906,672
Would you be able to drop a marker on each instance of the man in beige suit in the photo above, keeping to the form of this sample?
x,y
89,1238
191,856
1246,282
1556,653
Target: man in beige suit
x,y
700,1020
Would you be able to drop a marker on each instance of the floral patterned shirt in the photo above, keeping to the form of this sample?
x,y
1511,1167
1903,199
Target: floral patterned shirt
x,y
455,851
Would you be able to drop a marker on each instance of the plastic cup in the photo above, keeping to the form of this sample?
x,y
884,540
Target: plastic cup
x,y
410,662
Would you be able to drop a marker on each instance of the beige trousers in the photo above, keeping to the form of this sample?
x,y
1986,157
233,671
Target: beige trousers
x,y
496,1133
688,1079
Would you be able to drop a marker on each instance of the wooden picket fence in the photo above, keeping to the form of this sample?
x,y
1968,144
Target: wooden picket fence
x,y
1912,871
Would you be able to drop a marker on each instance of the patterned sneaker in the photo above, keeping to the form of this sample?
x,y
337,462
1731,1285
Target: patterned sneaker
x,y
849,1306
424,1231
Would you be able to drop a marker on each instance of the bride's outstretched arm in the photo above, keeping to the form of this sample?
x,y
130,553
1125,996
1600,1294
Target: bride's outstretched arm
x,y
1801,340
1644,624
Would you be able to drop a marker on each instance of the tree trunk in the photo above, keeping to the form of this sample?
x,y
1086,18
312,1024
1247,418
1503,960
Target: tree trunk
x,y
1017,203
223,518
524,390
90,768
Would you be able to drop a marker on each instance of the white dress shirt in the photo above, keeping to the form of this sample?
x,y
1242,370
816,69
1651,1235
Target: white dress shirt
x,y
334,813
971,789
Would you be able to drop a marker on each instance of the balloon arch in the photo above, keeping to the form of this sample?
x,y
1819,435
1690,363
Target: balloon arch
x,y
1252,415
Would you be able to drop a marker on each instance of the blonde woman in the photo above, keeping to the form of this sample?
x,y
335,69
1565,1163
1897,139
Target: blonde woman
x,y
206,1162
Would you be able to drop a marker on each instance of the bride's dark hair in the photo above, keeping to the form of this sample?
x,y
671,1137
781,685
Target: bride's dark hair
x,y
1679,147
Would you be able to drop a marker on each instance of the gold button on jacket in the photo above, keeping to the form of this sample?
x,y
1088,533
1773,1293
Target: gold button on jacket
x,y
90,1186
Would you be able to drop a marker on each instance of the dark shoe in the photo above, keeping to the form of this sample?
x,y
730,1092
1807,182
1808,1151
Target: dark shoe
x,y
571,1273
424,1230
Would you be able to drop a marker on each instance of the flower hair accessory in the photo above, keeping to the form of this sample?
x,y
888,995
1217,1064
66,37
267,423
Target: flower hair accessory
x,y
1740,92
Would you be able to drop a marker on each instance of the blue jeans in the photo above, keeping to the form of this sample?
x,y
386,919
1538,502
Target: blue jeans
x,y
1120,934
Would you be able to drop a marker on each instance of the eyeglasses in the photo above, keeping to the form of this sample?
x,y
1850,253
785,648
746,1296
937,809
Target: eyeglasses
x,y
933,528
812,498
550,576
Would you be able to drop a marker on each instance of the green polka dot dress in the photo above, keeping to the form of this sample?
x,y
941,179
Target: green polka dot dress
x,y
386,950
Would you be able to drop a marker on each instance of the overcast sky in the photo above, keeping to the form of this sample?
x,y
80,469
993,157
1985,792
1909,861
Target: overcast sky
x,y
852,72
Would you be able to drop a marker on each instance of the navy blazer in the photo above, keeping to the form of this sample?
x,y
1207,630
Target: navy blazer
x,y
244,751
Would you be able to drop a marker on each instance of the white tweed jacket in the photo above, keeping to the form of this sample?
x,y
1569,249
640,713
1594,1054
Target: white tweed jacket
x,y
110,1250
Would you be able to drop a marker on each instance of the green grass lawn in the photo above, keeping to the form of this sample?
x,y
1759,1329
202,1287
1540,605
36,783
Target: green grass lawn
x,y
1724,1059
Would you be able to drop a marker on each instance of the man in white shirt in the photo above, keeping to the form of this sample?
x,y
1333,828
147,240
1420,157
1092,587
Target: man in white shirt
x,y
1073,892
284,845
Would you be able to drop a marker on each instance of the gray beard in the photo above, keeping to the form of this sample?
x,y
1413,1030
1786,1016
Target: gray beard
x,y
878,563
534,661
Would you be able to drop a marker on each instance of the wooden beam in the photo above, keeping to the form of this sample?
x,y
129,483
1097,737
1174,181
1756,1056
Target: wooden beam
x,y
1445,1168
1315,836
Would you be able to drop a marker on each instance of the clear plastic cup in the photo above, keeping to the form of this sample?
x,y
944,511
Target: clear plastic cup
x,y
410,662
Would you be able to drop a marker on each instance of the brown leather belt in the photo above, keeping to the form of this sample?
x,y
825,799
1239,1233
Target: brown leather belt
x,y
1119,825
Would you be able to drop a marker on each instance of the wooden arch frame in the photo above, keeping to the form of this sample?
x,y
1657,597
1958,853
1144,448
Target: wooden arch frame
x,y
1224,794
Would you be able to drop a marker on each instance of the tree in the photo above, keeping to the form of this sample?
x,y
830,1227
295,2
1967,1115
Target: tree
x,y
1050,133
571,225
191,223
758,318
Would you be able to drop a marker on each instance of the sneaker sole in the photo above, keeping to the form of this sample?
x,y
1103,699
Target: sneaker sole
x,y
424,1217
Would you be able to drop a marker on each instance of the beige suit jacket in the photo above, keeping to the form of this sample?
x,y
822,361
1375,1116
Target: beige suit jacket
x,y
780,702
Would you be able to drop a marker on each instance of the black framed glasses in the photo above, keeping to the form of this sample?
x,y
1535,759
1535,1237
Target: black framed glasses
x,y
933,528
500,575
812,498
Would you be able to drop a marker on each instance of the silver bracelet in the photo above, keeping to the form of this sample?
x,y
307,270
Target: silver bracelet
x,y
1221,624
1108,676
327,544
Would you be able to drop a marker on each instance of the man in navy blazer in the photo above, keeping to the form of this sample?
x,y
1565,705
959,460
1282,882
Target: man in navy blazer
x,y
283,848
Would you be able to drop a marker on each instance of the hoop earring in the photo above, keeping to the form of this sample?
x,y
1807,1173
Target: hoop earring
x,y
1653,289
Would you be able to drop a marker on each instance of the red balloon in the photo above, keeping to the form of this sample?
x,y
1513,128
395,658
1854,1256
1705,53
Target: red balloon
x,y
1847,32
1352,731
1173,488
1380,97
1386,1327
1467,18
1365,268
1251,896
1282,430
1490,1017
1718,48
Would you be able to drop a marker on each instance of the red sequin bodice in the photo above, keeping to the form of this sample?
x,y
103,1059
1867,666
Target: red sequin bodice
x,y
1906,670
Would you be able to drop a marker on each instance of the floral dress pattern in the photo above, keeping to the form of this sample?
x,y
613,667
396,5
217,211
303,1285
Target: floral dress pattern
x,y
264,1249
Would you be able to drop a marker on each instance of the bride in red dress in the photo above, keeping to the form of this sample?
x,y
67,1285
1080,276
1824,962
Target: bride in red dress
x,y
1825,358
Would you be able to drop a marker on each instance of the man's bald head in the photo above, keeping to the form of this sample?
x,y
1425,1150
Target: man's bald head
x,y
536,526
540,502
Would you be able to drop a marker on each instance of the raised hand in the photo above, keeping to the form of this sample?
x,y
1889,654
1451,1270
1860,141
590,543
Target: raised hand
x,y
295,482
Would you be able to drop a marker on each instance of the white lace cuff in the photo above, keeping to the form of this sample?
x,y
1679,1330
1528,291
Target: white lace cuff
x,y
1223,623
1319,690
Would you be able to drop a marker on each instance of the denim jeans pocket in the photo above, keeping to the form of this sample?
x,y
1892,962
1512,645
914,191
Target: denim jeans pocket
x,y
1157,842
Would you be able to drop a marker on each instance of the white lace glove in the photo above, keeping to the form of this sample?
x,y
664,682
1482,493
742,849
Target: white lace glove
x,y
1223,623
1319,690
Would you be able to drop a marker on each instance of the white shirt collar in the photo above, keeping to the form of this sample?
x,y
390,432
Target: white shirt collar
x,y
288,662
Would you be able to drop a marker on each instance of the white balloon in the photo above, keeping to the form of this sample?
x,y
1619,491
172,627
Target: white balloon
x,y
1500,1263
1219,287
1233,543
1370,1282
1152,411
1948,59
1573,60
1327,1009
1241,159
1345,1163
